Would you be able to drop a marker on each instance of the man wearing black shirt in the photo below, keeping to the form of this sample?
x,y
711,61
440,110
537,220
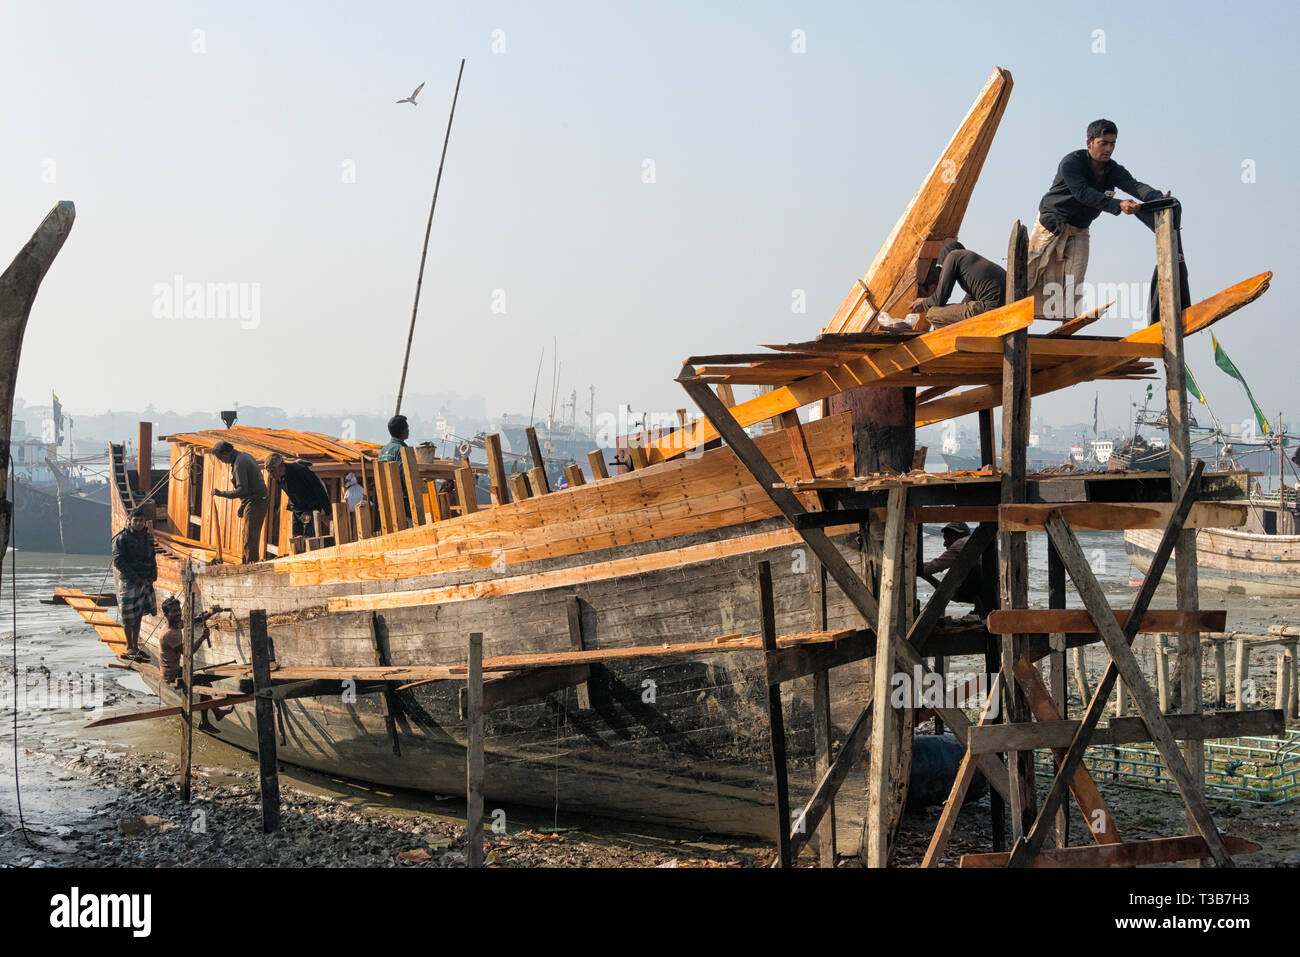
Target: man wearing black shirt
x,y
984,282
1083,189
306,493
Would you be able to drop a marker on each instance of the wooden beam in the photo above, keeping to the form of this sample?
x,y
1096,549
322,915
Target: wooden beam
x,y
789,664
1160,850
573,475
1132,730
172,711
884,729
465,490
596,458
1076,621
410,477
518,486
1074,348
869,369
1116,516
1013,567
1117,643
187,679
474,754
436,511
534,449
514,689
496,469
537,481
342,524
775,720
264,708
144,459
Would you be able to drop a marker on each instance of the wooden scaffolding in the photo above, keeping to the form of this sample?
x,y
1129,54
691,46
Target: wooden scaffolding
x,y
995,352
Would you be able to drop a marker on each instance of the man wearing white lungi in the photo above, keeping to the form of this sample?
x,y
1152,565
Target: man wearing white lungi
x,y
1084,188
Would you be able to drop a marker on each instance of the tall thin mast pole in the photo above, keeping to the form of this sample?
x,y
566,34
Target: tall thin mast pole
x,y
401,387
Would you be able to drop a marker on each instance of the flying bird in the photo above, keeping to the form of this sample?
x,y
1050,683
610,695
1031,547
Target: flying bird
x,y
411,99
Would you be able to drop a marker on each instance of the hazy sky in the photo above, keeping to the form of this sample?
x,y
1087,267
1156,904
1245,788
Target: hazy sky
x,y
224,156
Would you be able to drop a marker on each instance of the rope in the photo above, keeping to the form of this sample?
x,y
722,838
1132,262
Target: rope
x,y
13,588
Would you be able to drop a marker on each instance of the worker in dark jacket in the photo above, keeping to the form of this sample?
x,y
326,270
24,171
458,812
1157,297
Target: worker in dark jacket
x,y
306,492
956,536
250,489
983,281
137,570
1084,188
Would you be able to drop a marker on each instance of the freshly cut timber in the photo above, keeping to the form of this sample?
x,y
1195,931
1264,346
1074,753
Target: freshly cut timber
x,y
935,213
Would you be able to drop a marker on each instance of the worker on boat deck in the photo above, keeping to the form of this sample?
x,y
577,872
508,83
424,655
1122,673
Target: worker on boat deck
x,y
250,489
306,493
399,431
956,535
984,282
137,568
1083,189
170,648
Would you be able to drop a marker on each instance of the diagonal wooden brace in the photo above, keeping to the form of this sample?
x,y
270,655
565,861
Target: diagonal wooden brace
x,y
1026,849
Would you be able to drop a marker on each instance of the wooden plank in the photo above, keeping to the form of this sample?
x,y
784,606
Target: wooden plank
x,y
802,457
1117,643
1076,621
573,612
596,457
518,487
264,708
573,475
538,482
172,711
341,520
867,370
1074,348
1056,600
1196,317
884,730
474,754
788,664
1160,850
1133,730
775,720
1071,326
436,511
517,688
410,476
935,212
1114,516
465,491
496,469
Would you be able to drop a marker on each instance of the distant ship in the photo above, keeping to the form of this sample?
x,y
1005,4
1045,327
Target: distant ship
x,y
58,506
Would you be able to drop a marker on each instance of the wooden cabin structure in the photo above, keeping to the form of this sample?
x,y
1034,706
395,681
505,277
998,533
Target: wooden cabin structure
x,y
687,642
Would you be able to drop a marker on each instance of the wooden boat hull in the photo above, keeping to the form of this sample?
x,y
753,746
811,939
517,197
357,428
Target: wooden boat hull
x,y
1238,563
678,741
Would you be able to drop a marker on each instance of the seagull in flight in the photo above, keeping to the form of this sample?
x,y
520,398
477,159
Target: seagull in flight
x,y
411,99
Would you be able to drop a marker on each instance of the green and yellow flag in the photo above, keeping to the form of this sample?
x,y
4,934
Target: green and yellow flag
x,y
1192,387
1223,362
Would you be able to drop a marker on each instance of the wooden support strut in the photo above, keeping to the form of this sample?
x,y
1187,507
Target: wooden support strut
x,y
1025,850
474,754
776,722
264,708
187,676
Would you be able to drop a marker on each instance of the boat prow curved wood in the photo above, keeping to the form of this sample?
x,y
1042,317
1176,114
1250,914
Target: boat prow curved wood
x,y
935,213
18,287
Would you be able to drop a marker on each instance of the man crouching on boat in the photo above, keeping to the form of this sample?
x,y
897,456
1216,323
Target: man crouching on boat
x,y
1083,189
956,536
251,492
137,568
983,281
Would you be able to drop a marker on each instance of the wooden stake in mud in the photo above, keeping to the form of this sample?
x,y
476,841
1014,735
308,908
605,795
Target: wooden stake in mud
x,y
892,591
187,673
424,252
474,753
264,708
